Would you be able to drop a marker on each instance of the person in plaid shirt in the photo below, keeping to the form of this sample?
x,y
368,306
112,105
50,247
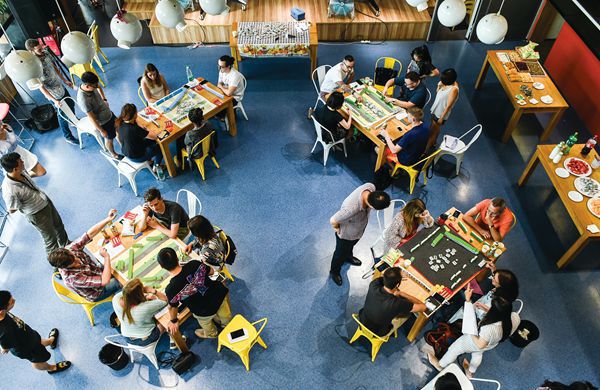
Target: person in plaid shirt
x,y
80,272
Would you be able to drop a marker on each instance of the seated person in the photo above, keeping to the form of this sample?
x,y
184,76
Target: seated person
x,y
421,63
407,222
491,218
23,342
338,76
164,215
136,307
329,117
413,92
82,274
230,79
201,130
191,286
154,86
386,306
448,381
494,328
137,144
207,243
410,146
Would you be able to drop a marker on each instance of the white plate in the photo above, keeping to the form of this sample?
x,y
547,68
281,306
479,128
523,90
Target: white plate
x,y
562,172
575,196
538,85
547,99
521,102
566,163
589,205
593,187
533,101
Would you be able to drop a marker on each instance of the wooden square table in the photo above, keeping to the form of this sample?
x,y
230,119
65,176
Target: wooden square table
x,y
579,212
557,107
176,132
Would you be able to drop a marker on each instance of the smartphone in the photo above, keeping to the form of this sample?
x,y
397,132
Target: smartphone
x,y
203,82
237,335
383,266
456,213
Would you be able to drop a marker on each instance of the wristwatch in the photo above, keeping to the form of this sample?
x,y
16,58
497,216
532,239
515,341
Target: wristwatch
x,y
174,320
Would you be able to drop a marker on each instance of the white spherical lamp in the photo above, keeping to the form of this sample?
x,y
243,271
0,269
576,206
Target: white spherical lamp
x,y
492,29
77,48
452,12
421,5
170,14
24,67
214,7
126,29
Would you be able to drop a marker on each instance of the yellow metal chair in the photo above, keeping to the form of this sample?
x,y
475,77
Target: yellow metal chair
x,y
243,347
94,35
389,63
224,269
205,144
376,341
79,69
68,296
413,170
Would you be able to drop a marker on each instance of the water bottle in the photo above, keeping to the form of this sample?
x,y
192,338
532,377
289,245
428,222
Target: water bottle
x,y
160,173
188,72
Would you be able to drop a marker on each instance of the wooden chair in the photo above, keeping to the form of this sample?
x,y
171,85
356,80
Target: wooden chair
x,y
376,341
205,145
413,170
388,63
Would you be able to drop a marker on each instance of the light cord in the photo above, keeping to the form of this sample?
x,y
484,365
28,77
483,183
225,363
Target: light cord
x,y
63,16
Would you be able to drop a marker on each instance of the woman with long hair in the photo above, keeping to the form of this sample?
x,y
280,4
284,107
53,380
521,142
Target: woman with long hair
x,y
413,217
135,306
206,243
154,86
495,327
137,143
421,62
446,97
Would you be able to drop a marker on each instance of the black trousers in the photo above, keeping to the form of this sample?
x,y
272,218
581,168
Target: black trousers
x,y
342,253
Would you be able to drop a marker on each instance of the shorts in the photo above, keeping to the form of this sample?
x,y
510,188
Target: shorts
x,y
109,127
435,118
154,335
30,160
39,354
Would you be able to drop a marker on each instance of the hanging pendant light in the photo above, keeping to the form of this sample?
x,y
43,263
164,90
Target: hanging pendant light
x,y
170,14
214,7
452,12
492,28
421,5
76,46
22,66
126,28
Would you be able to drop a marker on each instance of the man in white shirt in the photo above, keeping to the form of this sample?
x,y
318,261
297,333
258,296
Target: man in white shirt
x,y
230,80
339,76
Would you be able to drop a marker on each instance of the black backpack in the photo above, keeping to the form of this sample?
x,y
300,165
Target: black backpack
x,y
231,250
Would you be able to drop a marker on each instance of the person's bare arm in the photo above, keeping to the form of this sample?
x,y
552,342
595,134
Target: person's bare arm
x,y
48,96
469,217
165,85
96,124
173,327
390,144
347,123
107,271
170,232
100,225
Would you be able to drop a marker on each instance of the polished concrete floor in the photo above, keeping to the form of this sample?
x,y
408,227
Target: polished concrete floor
x,y
275,199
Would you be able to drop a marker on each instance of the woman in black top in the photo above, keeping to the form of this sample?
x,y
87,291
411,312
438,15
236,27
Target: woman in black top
x,y
329,117
421,63
137,144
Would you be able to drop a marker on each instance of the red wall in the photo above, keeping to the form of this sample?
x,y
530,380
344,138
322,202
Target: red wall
x,y
576,71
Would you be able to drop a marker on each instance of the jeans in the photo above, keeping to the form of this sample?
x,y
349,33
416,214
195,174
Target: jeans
x,y
48,222
152,153
63,123
342,253
155,335
223,316
112,287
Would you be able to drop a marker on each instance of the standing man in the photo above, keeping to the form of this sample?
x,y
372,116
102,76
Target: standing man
x,y
21,193
350,223
339,76
25,343
92,101
52,85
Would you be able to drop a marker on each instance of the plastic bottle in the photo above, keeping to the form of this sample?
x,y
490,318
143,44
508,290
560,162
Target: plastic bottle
x,y
557,158
572,140
160,173
589,145
556,150
188,73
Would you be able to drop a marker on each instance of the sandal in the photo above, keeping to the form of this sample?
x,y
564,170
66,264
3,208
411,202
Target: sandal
x,y
60,366
53,333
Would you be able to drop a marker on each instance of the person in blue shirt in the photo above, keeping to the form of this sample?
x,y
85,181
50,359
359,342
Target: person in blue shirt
x,y
411,146
413,92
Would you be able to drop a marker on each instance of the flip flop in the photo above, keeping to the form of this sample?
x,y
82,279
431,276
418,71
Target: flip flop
x,y
60,366
53,333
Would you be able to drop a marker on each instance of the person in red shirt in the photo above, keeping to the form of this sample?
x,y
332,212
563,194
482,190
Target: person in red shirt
x,y
491,218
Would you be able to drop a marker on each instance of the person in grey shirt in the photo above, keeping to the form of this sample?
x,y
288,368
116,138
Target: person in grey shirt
x,y
21,193
52,85
92,101
350,223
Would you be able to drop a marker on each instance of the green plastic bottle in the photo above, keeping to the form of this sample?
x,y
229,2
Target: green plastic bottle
x,y
572,140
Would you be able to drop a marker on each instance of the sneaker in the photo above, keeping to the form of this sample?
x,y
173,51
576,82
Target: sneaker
x,y
201,333
72,141
119,156
310,113
172,344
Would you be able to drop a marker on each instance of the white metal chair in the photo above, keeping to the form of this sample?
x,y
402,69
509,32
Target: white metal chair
x,y
149,350
458,150
465,383
128,169
326,146
83,125
318,75
388,217
428,97
193,203
239,105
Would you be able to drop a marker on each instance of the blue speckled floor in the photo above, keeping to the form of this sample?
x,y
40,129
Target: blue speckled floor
x,y
275,199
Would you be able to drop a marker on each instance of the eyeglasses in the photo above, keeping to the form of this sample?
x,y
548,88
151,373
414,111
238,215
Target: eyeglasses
x,y
222,67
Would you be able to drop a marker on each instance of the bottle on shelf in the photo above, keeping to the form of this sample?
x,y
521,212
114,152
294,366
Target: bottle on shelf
x,y
589,145
188,73
556,150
